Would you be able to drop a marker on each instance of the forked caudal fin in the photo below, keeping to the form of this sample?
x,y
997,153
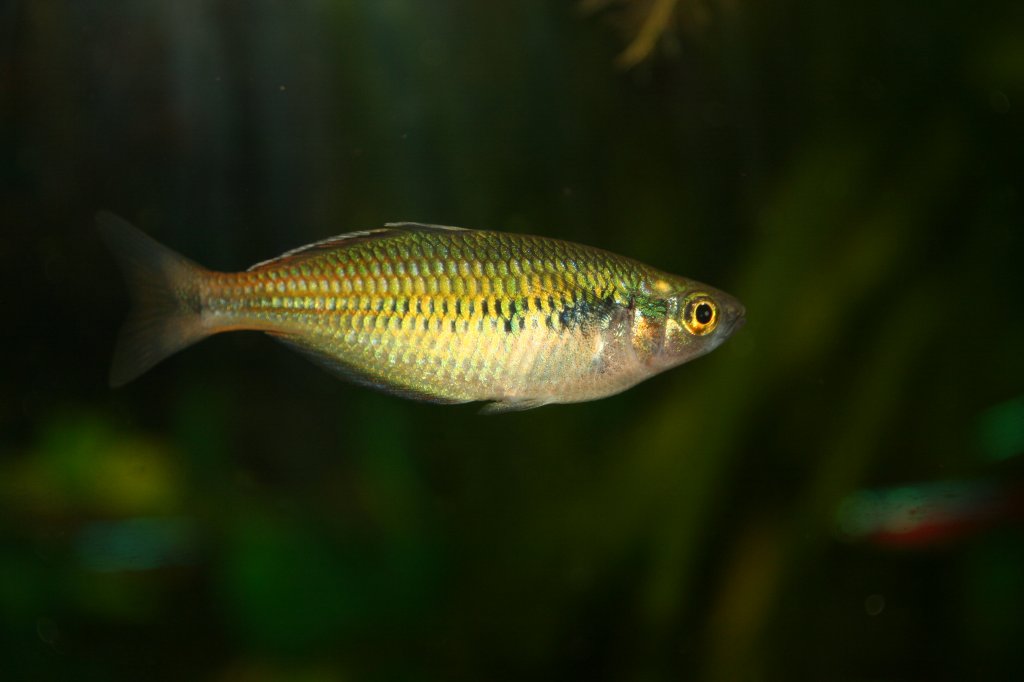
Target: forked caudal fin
x,y
166,306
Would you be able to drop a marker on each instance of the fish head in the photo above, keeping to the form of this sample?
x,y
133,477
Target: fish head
x,y
698,319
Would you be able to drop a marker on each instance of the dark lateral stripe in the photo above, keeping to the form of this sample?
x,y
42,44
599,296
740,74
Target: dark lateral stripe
x,y
580,311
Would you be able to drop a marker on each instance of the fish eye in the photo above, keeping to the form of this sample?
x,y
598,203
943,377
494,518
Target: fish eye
x,y
700,315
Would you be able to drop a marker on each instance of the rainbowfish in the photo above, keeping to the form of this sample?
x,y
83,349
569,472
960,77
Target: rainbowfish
x,y
434,313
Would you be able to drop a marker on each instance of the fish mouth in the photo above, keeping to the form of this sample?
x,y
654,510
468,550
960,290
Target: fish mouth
x,y
739,318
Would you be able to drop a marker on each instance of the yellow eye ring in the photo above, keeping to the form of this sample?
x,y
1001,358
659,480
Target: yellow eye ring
x,y
700,315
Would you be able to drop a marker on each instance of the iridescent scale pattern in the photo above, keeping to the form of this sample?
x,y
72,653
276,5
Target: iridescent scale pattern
x,y
448,315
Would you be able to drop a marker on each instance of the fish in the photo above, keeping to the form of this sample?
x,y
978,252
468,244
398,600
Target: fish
x,y
430,312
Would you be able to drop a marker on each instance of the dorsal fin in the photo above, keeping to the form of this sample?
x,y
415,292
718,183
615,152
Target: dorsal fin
x,y
423,227
351,238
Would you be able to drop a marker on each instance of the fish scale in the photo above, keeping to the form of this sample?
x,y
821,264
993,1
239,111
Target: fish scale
x,y
435,313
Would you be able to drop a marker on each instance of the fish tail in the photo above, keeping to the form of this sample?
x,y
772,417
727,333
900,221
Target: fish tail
x,y
164,286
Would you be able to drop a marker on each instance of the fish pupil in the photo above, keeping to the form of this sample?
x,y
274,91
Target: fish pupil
x,y
703,313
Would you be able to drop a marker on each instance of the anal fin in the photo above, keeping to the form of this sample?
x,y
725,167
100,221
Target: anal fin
x,y
512,405
351,373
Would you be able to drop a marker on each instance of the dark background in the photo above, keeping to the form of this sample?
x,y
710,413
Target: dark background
x,y
832,495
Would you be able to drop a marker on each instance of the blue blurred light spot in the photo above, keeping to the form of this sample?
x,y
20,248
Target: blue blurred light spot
x,y
138,544
905,509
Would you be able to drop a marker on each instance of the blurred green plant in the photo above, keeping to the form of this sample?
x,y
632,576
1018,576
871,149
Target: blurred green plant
x,y
848,170
82,464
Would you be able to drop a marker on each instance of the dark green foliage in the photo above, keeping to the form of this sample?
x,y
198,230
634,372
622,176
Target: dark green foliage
x,y
850,171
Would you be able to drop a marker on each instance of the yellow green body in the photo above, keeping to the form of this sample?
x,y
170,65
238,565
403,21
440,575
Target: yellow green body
x,y
441,314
